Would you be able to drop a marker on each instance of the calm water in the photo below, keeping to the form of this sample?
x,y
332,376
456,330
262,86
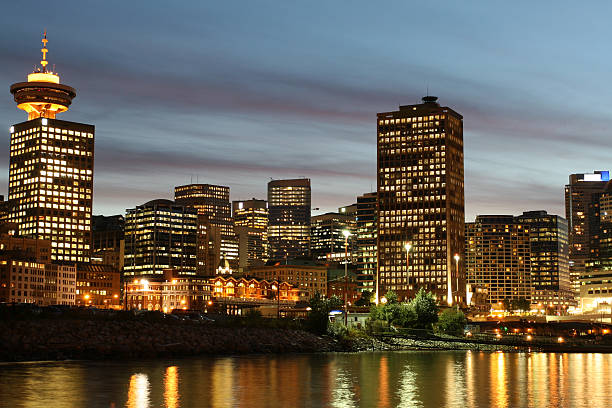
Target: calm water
x,y
385,379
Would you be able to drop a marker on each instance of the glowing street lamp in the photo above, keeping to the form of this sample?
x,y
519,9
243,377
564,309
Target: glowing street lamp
x,y
457,258
408,247
346,234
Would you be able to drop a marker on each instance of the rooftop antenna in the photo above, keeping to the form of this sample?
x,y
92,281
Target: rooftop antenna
x,y
44,50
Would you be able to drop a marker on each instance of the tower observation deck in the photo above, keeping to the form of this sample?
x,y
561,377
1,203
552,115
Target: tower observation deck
x,y
42,96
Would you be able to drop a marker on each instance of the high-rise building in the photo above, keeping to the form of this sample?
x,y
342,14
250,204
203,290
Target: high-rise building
x,y
108,241
160,235
548,243
420,201
581,194
498,257
215,211
251,226
596,280
51,167
327,241
289,220
366,249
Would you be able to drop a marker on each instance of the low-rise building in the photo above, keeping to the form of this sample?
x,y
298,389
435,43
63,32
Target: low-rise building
x,y
304,275
98,286
167,294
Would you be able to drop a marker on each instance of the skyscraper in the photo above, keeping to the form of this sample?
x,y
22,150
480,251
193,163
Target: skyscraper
x,y
498,257
289,220
51,167
548,245
251,225
420,200
160,235
581,194
214,209
326,236
366,250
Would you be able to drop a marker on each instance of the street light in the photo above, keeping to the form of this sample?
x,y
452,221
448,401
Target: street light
x,y
346,234
407,247
457,258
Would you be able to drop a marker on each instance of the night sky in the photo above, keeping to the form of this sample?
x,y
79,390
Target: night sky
x,y
235,93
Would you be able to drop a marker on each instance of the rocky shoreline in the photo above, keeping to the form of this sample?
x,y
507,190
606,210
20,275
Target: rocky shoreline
x,y
53,339
132,337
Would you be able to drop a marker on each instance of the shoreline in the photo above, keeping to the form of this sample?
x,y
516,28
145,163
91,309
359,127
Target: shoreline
x,y
71,339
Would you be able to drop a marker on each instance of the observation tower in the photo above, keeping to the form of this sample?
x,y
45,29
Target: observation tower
x,y
42,96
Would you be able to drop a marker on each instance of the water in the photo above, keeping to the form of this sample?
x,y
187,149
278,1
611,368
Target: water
x,y
378,379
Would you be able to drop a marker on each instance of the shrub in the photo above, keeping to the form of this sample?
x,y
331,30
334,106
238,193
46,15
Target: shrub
x,y
426,309
452,322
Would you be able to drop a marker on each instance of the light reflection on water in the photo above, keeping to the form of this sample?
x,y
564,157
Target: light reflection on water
x,y
384,379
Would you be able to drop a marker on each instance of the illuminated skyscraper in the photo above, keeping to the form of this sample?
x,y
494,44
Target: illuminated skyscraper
x,y
289,222
51,167
215,217
498,257
548,242
581,194
366,250
420,200
326,236
160,235
251,225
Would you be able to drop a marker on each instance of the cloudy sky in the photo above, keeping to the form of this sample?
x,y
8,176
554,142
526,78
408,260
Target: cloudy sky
x,y
238,92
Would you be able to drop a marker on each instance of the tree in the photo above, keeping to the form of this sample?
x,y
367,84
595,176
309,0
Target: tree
x,y
508,305
424,305
318,317
391,297
401,314
521,304
365,299
451,321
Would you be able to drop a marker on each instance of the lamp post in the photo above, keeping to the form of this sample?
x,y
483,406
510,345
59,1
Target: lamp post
x,y
346,234
407,247
457,257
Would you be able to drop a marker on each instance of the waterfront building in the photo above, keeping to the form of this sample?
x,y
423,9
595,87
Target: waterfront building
x,y
549,259
301,274
498,257
51,167
366,253
98,286
60,284
337,285
581,194
160,235
421,201
251,227
228,294
289,220
168,293
327,241
108,240
217,227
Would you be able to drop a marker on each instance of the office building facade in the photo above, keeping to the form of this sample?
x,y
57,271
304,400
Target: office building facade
x,y
215,218
327,241
421,201
498,257
289,207
160,235
251,227
51,168
366,252
581,194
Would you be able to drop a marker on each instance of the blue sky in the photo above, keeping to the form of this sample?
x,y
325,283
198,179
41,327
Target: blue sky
x,y
235,93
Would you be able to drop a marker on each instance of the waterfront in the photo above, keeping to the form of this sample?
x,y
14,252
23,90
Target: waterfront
x,y
343,380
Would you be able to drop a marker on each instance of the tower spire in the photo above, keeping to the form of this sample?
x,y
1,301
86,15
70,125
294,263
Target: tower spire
x,y
44,50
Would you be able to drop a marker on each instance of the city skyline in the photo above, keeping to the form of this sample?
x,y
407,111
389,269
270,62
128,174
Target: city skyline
x,y
196,108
